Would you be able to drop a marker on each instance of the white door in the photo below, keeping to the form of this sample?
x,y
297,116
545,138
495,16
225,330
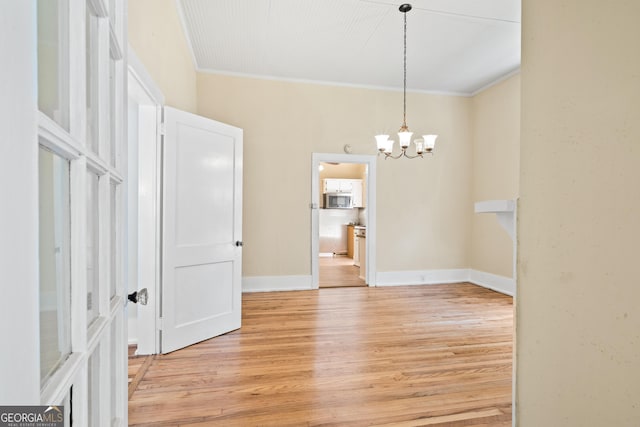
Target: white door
x,y
202,229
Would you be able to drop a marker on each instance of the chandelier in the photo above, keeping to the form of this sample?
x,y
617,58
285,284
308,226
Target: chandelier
x,y
425,145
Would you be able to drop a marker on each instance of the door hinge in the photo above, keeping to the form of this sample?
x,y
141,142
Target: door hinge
x,y
160,324
162,129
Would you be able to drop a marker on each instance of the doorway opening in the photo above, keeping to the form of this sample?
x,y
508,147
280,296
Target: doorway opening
x,y
342,226
343,220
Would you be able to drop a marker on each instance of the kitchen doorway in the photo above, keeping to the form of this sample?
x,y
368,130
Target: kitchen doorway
x,y
343,220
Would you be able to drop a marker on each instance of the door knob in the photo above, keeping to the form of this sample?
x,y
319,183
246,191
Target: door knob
x,y
238,243
141,296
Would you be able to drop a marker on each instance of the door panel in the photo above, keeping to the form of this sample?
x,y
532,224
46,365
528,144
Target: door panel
x,y
203,158
202,220
213,299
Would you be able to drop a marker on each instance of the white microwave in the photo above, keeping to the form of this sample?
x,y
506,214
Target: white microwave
x,y
338,201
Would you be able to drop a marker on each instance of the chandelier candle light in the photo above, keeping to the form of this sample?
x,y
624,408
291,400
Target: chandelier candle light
x,y
425,145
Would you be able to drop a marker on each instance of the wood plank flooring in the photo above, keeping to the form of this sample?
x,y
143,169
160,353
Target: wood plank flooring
x,y
338,271
137,367
437,355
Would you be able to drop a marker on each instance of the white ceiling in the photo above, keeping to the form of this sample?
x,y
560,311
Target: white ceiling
x,y
453,46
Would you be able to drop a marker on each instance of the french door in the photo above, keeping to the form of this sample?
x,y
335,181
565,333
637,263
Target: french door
x,y
75,66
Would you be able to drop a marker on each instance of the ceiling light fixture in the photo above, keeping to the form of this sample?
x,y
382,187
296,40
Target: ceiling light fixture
x,y
425,145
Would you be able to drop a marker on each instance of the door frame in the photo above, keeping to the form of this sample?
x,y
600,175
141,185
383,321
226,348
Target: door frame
x,y
370,161
144,211
19,258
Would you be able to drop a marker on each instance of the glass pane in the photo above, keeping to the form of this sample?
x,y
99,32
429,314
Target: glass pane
x,y
53,67
55,282
112,103
94,388
92,52
114,240
93,218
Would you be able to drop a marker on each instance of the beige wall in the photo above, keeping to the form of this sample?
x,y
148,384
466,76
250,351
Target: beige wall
x,y
578,305
425,218
496,172
424,206
157,37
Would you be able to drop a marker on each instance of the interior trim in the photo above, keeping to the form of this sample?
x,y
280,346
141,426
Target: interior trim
x,y
502,284
421,277
276,283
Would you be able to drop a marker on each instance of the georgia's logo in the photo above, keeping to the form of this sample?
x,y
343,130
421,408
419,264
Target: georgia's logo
x,y
53,408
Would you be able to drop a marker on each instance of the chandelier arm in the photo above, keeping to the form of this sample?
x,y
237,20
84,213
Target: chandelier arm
x,y
411,157
388,155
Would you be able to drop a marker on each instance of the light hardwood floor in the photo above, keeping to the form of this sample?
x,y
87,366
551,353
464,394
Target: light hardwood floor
x,y
437,355
337,272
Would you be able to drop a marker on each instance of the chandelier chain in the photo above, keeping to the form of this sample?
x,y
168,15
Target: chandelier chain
x,y
404,81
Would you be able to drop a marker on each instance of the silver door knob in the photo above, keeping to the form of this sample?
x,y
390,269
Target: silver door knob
x,y
141,296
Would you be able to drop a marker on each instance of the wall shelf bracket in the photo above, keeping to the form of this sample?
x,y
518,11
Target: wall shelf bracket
x,y
505,211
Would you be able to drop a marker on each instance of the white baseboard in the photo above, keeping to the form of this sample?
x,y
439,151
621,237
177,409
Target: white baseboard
x,y
421,277
276,283
505,285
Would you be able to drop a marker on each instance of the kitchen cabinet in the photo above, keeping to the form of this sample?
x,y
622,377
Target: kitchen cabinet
x,y
350,241
359,234
334,185
351,186
356,194
356,250
362,251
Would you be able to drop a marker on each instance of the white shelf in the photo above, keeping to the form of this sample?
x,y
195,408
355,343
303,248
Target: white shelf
x,y
495,206
505,212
